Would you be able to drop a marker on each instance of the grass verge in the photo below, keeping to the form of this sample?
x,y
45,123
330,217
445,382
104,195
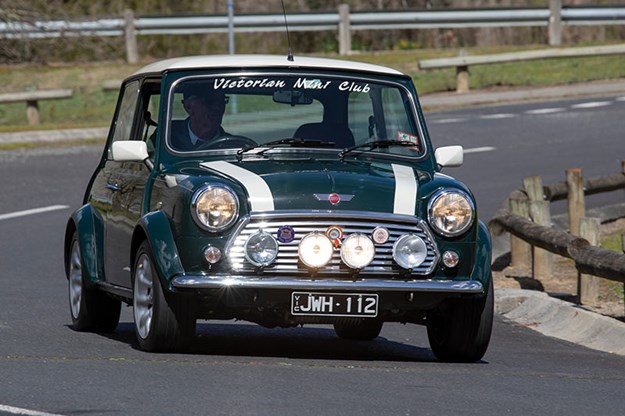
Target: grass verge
x,y
91,105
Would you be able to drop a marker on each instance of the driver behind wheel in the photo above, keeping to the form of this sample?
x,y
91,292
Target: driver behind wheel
x,y
206,108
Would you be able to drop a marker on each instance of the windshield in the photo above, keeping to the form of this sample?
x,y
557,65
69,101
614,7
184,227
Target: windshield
x,y
245,112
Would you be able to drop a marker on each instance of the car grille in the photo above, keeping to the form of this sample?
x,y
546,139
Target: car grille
x,y
288,261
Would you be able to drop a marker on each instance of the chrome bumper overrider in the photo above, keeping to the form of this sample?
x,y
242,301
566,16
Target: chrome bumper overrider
x,y
378,285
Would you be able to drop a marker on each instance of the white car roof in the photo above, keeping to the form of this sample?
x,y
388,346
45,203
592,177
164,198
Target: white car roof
x,y
261,61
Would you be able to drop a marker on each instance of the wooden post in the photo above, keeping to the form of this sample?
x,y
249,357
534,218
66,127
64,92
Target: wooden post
x,y
462,74
623,243
132,51
542,265
577,205
345,34
539,213
555,22
588,286
520,251
534,188
462,79
32,112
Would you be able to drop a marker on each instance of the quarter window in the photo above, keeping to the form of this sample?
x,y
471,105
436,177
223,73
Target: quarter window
x,y
126,112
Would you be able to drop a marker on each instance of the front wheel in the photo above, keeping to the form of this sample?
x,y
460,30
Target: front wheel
x,y
158,327
91,310
459,330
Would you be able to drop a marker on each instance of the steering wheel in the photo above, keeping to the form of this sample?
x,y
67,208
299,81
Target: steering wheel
x,y
227,142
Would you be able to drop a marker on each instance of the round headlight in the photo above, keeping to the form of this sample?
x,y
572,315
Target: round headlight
x,y
214,207
261,249
450,212
315,250
409,251
357,251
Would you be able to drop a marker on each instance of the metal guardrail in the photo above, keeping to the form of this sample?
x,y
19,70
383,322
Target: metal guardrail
x,y
378,20
129,26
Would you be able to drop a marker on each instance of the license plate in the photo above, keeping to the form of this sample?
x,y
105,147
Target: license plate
x,y
334,304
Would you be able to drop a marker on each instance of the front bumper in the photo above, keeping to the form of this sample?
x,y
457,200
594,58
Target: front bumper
x,y
195,282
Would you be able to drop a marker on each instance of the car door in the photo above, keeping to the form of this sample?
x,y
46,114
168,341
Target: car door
x,y
126,183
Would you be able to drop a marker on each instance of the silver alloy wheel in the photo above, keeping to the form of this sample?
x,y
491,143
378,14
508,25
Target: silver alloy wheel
x,y
75,279
143,300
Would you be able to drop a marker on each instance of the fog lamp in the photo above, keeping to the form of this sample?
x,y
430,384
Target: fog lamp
x,y
409,251
357,251
315,250
261,249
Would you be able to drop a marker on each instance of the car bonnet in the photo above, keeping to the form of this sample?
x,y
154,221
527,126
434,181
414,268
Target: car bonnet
x,y
324,185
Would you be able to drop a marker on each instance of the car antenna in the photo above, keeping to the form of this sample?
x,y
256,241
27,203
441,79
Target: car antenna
x,y
288,38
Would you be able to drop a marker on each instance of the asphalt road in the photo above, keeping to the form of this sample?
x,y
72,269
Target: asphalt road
x,y
240,368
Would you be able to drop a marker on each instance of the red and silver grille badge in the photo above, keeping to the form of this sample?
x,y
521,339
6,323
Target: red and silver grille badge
x,y
334,199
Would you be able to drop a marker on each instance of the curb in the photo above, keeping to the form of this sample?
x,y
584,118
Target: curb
x,y
52,136
559,319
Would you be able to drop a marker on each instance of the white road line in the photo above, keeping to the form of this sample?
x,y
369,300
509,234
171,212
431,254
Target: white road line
x,y
497,116
479,149
592,104
545,110
33,211
620,99
27,412
448,120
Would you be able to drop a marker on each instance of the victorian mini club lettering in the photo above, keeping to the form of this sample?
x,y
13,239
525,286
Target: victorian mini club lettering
x,y
300,83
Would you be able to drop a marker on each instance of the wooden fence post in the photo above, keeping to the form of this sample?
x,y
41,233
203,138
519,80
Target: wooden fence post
x,y
587,285
555,22
623,242
462,79
132,51
577,205
542,265
462,75
32,112
542,260
534,188
345,34
520,251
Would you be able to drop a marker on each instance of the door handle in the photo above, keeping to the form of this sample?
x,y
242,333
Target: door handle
x,y
113,187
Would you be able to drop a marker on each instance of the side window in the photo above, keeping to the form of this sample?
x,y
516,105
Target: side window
x,y
151,100
126,112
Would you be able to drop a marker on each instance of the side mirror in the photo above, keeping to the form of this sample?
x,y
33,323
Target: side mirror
x,y
449,156
129,151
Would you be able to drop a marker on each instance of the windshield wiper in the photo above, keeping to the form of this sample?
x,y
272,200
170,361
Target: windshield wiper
x,y
376,144
291,142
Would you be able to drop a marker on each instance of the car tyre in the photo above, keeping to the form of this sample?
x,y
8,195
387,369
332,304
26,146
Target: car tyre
x,y
460,329
90,309
158,326
363,330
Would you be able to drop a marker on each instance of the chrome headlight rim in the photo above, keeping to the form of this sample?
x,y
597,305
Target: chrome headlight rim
x,y
444,192
250,258
401,241
197,195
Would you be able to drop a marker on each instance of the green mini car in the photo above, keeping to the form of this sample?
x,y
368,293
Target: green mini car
x,y
283,192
